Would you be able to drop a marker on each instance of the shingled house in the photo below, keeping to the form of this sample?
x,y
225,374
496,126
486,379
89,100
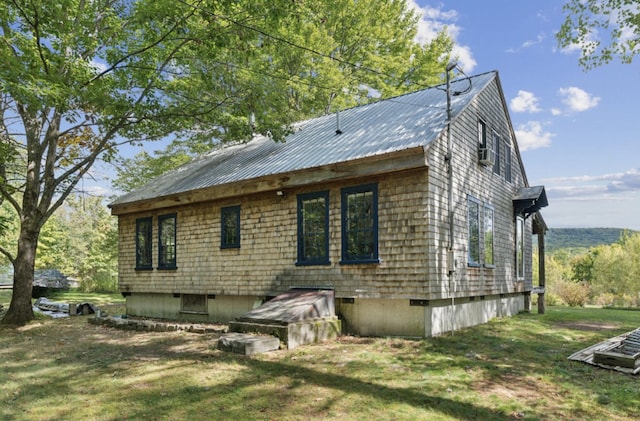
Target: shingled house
x,y
416,228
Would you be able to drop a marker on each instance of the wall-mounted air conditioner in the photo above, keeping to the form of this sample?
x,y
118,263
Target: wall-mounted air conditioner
x,y
486,156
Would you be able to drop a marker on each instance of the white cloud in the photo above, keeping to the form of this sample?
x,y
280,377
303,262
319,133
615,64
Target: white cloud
x,y
577,100
433,20
528,43
532,136
525,101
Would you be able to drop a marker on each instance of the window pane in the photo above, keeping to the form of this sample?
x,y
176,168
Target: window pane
x,y
230,227
474,232
497,147
507,162
359,224
167,241
488,236
520,247
143,243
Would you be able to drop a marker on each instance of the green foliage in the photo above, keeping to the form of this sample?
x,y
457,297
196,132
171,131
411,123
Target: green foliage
x,y
601,30
579,240
79,78
607,275
80,240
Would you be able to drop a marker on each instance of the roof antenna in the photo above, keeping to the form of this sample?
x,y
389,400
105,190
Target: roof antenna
x,y
338,131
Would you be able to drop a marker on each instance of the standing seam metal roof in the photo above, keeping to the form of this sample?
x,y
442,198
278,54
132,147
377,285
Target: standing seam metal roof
x,y
390,125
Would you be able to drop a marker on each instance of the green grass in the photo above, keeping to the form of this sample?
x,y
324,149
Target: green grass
x,y
513,368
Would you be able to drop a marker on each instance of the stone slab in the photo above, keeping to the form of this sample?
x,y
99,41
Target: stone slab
x,y
293,306
243,343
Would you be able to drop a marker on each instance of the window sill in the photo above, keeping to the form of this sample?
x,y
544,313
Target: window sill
x,y
473,265
144,269
316,263
201,313
167,267
489,266
360,262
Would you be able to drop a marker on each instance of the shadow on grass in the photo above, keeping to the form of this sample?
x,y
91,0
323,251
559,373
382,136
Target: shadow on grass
x,y
152,375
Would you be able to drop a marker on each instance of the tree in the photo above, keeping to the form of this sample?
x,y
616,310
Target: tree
x,y
602,30
346,53
80,78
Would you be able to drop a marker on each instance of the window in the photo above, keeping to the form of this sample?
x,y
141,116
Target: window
x,y
482,134
520,247
473,231
144,247
497,146
192,303
507,161
360,224
230,227
488,237
167,241
313,228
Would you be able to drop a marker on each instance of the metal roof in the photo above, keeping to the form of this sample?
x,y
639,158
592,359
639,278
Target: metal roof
x,y
381,127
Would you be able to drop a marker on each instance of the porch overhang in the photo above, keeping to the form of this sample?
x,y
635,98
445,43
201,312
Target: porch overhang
x,y
529,200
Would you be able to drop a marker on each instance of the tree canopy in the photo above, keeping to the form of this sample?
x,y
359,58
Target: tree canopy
x,y
601,30
80,78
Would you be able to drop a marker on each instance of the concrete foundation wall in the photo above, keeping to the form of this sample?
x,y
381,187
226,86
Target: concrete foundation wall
x,y
380,317
166,306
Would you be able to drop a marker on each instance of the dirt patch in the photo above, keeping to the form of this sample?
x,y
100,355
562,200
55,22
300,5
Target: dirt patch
x,y
587,326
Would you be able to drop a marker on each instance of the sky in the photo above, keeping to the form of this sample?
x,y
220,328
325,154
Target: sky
x,y
577,130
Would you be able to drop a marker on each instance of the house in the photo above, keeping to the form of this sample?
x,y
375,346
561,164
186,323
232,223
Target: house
x,y
361,202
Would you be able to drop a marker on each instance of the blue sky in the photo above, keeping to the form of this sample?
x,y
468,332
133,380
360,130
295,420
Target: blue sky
x,y
577,131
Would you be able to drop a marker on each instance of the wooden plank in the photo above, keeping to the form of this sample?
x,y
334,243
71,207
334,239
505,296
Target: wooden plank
x,y
616,359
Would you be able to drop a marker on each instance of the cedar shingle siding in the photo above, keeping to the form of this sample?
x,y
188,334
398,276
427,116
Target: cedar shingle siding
x,y
408,290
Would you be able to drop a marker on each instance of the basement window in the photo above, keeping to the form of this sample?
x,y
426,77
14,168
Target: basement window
x,y
194,303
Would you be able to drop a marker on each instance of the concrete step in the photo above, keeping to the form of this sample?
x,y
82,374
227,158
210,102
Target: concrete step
x,y
244,343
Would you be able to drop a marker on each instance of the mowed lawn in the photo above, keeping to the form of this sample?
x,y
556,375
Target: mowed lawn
x,y
513,368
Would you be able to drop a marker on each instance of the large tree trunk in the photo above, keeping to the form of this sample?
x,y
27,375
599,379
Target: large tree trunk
x,y
20,310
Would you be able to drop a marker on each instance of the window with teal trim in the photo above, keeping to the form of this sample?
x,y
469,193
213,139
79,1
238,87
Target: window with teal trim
x,y
313,228
230,227
144,247
167,241
360,224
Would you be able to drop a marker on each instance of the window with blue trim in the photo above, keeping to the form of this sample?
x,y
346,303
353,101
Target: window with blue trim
x,y
230,227
360,224
167,241
313,228
144,246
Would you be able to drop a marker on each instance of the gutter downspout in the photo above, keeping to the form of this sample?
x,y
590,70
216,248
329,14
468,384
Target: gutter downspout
x,y
451,265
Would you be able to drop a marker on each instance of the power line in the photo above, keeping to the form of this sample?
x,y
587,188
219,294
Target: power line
x,y
302,47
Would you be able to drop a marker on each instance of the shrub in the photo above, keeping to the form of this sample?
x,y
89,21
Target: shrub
x,y
573,293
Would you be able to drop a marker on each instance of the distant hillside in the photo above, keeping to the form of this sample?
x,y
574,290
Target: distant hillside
x,y
558,238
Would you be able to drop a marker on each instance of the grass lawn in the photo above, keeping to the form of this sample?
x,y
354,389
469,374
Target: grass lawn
x,y
513,368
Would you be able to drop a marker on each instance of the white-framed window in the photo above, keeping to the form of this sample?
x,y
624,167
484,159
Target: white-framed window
x,y
520,247
489,256
473,231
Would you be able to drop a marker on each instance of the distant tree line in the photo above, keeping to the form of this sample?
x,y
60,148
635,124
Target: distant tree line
x,y
606,274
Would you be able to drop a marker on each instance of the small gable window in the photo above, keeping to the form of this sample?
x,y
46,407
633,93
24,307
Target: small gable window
x,y
313,228
360,224
144,247
167,241
482,134
230,227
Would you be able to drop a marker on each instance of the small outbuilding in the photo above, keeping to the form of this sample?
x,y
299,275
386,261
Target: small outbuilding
x,y
415,211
